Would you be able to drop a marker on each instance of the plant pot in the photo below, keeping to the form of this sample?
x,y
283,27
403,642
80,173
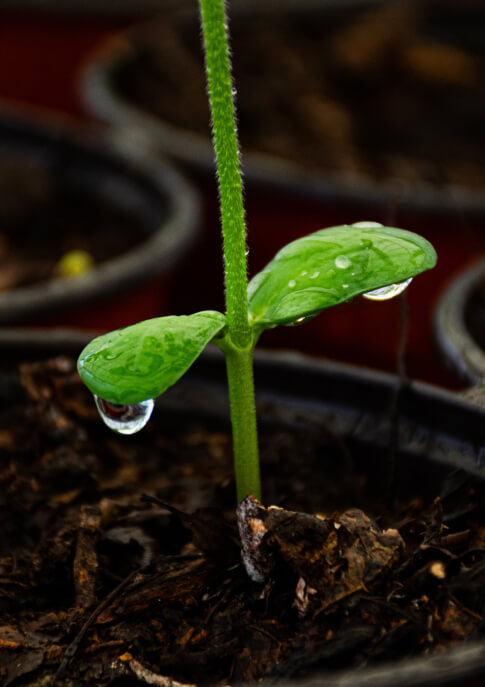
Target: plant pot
x,y
363,147
286,198
63,190
459,324
439,434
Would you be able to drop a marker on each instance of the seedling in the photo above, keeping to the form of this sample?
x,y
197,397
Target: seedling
x,y
126,369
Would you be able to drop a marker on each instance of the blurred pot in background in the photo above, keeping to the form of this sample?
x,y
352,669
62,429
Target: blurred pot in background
x,y
460,324
347,113
88,237
362,96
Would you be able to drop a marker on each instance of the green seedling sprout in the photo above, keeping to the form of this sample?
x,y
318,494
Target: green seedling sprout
x,y
128,368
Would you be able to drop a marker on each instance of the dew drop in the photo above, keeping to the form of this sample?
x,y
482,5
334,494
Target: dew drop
x,y
300,320
367,225
314,275
304,273
292,283
342,262
387,292
123,418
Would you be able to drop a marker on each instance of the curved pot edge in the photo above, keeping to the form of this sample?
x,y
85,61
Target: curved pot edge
x,y
457,346
432,419
463,663
196,150
162,249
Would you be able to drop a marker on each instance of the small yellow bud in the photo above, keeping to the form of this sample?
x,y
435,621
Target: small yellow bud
x,y
74,263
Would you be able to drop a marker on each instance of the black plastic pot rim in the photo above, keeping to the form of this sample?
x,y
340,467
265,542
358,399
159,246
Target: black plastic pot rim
x,y
145,6
195,150
76,7
153,256
455,667
442,423
323,392
456,344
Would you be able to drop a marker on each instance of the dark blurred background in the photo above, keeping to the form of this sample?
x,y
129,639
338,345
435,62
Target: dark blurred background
x,y
348,111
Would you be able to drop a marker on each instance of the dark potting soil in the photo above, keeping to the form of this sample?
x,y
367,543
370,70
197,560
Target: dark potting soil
x,y
397,91
45,212
98,585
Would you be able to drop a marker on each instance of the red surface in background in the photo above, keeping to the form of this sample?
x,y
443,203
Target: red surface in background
x,y
41,61
41,58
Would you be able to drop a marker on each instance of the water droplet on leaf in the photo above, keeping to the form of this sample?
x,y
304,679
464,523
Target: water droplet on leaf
x,y
387,292
342,262
124,418
314,275
367,225
291,283
300,320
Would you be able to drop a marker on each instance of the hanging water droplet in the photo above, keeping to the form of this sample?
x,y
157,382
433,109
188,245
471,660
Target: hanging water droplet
x,y
300,320
292,283
124,418
342,262
387,292
367,225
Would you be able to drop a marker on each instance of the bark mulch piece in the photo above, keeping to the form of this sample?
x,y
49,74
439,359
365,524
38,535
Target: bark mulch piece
x,y
98,584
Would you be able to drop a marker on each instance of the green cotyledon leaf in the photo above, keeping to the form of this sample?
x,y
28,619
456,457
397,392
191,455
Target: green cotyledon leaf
x,y
141,361
331,266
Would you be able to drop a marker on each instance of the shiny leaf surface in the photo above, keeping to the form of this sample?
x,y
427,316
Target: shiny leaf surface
x,y
140,362
333,265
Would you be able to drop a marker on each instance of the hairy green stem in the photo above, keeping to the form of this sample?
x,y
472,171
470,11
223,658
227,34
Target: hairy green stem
x,y
239,337
239,366
228,169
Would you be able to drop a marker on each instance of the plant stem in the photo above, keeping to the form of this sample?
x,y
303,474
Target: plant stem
x,y
239,365
239,338
228,169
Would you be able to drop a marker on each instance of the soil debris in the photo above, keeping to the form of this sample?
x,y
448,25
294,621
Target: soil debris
x,y
97,584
